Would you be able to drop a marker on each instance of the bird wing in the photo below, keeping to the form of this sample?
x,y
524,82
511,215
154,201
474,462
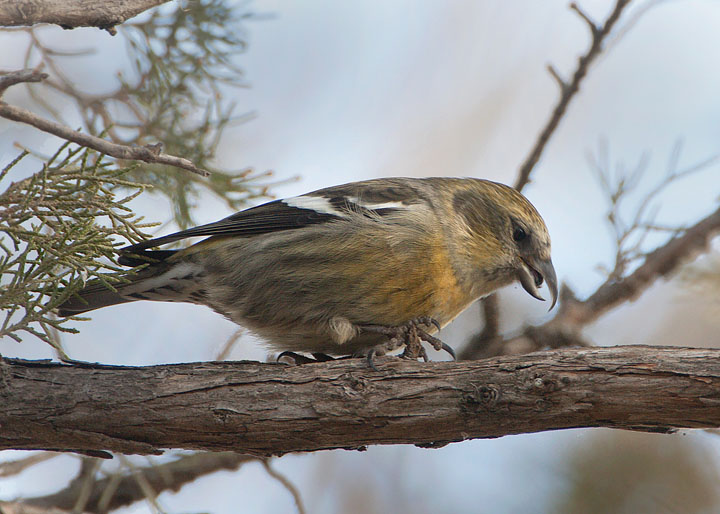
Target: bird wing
x,y
372,198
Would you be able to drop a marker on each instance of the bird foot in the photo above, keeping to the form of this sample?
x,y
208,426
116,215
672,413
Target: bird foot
x,y
409,335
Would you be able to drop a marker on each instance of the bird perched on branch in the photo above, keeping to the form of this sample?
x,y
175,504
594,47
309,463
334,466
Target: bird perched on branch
x,y
357,269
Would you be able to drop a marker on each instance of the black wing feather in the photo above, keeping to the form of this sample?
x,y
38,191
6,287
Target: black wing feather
x,y
278,215
269,217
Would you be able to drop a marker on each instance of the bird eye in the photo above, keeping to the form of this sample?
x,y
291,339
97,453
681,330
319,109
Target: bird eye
x,y
519,234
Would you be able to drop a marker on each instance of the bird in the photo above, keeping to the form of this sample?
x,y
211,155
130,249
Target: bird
x,y
359,269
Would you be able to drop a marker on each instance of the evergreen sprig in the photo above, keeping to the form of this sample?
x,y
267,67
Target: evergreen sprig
x,y
58,228
183,69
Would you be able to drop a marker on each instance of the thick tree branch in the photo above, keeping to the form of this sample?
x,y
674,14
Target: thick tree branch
x,y
151,154
569,90
272,409
69,15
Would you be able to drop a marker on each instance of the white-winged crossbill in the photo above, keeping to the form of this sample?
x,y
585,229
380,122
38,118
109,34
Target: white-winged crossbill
x,y
341,270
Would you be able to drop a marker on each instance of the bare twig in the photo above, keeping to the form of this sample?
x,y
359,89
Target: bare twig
x,y
15,467
84,481
659,263
11,78
632,20
148,491
229,345
150,153
490,335
287,484
119,490
19,507
569,90
631,234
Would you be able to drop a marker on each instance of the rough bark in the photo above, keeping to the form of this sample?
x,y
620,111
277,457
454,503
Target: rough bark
x,y
272,409
69,15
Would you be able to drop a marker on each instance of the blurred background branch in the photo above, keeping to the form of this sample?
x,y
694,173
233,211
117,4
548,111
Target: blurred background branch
x,y
568,90
620,286
489,338
110,491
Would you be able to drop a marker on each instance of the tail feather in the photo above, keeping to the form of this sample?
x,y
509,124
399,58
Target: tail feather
x,y
143,285
93,296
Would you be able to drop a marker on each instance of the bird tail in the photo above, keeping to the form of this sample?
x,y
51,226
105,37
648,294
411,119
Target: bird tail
x,y
159,281
93,296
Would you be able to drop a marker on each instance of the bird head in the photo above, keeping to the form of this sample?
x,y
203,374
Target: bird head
x,y
507,238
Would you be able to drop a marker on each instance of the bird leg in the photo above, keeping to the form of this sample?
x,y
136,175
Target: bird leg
x,y
409,335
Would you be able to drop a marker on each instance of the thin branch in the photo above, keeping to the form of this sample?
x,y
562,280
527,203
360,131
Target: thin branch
x,y
15,467
489,338
268,409
148,491
569,90
150,153
630,234
594,29
11,78
633,19
85,479
659,263
287,484
229,344
19,507
556,75
124,489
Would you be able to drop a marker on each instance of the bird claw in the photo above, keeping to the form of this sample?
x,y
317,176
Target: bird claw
x,y
449,350
370,359
409,335
427,321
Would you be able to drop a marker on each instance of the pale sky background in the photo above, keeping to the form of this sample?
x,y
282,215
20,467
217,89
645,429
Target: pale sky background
x,y
348,91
